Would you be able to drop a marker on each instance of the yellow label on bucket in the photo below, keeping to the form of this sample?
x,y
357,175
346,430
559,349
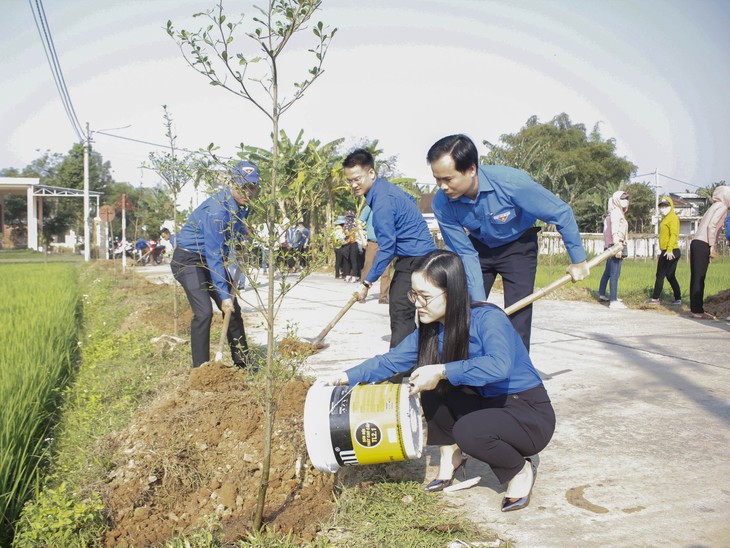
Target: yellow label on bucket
x,y
375,423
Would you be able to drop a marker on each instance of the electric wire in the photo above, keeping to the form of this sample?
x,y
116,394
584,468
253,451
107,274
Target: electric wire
x,y
49,49
198,152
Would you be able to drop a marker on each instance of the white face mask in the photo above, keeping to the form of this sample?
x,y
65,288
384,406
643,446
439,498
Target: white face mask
x,y
664,210
624,203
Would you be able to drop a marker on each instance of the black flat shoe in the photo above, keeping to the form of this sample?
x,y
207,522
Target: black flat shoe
x,y
441,484
508,504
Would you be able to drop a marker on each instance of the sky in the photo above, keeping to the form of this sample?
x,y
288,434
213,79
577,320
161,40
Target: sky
x,y
654,74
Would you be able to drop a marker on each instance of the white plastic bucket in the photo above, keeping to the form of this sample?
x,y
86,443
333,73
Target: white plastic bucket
x,y
367,424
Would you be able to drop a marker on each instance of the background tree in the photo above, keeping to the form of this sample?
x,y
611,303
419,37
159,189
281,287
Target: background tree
x,y
67,171
176,171
209,51
707,192
641,207
581,168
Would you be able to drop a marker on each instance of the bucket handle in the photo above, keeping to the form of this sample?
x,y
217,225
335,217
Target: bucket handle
x,y
342,398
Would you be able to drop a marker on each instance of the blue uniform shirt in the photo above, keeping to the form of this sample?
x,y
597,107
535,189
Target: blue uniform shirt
x,y
498,362
400,229
507,204
210,229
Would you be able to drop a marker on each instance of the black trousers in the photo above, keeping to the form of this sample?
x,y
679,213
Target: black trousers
x,y
351,260
667,269
340,262
516,262
191,271
402,311
499,431
699,262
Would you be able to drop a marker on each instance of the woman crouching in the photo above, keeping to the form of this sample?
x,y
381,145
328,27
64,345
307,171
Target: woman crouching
x,y
481,394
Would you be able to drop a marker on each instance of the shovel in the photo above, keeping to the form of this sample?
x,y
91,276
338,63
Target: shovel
x,y
317,343
226,321
560,282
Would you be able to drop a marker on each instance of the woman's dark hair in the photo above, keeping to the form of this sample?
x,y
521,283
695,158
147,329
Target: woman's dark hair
x,y
461,149
359,157
445,270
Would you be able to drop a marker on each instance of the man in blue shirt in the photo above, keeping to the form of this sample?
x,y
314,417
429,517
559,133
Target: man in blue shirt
x,y
401,232
486,215
199,262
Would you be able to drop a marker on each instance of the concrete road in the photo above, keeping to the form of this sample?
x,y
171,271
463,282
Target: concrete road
x,y
640,454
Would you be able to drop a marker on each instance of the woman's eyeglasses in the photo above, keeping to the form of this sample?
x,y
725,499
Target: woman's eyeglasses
x,y
420,300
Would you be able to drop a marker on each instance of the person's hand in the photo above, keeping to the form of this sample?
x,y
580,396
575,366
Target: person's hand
x,y
336,379
578,271
362,293
669,255
227,306
619,254
426,377
712,252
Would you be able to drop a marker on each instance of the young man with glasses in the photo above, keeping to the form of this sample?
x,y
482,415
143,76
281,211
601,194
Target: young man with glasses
x,y
401,233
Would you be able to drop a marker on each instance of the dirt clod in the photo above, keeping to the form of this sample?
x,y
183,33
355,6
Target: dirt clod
x,y
197,453
719,304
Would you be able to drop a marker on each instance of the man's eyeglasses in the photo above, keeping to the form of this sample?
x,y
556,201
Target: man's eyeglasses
x,y
357,180
420,300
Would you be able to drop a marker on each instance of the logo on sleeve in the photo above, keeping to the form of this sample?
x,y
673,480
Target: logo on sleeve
x,y
503,216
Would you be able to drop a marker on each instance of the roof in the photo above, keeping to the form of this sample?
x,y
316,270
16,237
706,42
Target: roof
x,y
20,186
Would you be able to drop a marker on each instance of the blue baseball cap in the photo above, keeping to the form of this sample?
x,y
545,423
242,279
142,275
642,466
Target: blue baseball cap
x,y
245,173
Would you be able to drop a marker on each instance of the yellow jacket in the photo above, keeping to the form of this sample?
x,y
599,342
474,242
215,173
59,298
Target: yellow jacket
x,y
669,229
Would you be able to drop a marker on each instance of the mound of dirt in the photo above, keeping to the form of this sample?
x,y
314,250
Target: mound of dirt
x,y
197,452
719,304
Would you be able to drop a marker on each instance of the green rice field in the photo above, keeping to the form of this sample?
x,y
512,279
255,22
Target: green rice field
x,y
39,319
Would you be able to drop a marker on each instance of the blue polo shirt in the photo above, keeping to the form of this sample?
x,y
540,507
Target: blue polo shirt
x,y
400,229
498,362
507,204
210,229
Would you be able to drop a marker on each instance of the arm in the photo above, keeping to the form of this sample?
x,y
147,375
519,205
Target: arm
x,y
214,228
673,227
457,241
399,360
538,201
384,226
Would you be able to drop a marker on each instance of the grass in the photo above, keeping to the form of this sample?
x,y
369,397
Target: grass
x,y
636,282
30,256
386,513
38,312
120,371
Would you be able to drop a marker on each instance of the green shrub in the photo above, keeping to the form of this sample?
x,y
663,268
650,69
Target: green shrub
x,y
58,517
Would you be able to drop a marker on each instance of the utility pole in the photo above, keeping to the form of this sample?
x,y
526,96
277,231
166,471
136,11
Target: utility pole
x,y
87,235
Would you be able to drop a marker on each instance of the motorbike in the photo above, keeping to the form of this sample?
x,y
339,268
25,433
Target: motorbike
x,y
153,253
125,248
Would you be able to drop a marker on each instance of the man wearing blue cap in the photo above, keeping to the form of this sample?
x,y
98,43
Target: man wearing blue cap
x,y
199,262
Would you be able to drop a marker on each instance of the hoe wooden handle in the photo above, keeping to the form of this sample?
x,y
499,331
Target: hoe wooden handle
x,y
560,282
224,333
328,328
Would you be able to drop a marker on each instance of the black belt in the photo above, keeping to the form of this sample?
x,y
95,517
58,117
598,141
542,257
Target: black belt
x,y
187,250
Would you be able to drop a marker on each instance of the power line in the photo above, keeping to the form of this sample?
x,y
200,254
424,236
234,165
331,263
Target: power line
x,y
679,181
198,152
660,174
49,49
